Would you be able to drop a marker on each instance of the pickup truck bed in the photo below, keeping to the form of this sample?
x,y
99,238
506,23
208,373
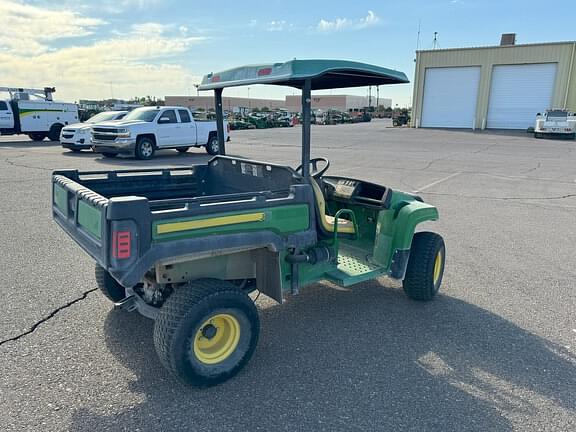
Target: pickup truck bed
x,y
129,220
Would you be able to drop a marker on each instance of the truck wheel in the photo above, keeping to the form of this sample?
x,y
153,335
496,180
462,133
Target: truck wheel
x,y
425,266
109,155
54,132
213,146
207,332
145,148
182,149
37,136
108,285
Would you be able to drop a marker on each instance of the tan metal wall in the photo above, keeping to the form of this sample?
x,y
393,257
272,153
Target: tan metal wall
x,y
562,53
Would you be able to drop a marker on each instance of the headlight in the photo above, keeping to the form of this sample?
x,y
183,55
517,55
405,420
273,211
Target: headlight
x,y
123,133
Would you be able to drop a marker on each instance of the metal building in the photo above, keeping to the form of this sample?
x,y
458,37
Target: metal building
x,y
337,102
498,87
229,103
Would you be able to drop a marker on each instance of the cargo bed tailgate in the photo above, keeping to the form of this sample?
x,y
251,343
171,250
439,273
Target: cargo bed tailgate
x,y
82,214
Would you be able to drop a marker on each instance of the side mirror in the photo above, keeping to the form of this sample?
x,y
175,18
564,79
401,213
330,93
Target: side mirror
x,y
162,120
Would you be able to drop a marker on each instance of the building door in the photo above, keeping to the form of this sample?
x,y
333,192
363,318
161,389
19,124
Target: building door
x,y
518,93
450,96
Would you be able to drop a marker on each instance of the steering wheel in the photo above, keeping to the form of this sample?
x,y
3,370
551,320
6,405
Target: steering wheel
x,y
314,171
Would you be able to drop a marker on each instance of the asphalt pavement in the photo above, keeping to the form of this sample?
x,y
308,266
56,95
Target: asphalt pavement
x,y
495,351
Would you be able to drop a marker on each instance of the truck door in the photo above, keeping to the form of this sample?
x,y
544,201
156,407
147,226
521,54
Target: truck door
x,y
168,129
6,116
187,128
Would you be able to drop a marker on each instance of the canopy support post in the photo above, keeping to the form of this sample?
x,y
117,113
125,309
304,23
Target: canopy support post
x,y
219,120
306,117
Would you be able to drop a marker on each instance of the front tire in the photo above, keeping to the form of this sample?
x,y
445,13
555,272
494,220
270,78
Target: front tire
x,y
213,146
425,266
145,148
54,132
108,285
206,333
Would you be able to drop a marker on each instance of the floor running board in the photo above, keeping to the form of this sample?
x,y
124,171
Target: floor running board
x,y
353,269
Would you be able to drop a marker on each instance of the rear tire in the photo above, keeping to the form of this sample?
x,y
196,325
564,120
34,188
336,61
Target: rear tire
x,y
205,333
37,136
213,146
108,285
54,132
425,266
109,155
145,148
182,149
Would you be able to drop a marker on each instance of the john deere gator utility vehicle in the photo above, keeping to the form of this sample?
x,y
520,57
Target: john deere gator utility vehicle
x,y
185,246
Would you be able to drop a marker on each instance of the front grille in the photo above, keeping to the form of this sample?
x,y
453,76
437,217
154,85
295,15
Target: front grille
x,y
67,136
104,137
105,130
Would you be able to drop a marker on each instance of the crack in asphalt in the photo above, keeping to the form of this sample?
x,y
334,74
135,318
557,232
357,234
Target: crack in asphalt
x,y
48,317
12,163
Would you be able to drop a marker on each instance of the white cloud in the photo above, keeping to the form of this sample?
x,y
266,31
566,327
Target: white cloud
x,y
339,24
149,28
138,61
25,29
276,25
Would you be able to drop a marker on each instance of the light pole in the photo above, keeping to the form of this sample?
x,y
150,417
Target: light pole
x,y
249,102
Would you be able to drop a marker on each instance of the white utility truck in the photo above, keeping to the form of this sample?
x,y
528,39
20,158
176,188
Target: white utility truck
x,y
33,112
147,129
557,123
77,136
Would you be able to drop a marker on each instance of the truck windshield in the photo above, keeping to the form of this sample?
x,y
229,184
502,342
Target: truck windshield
x,y
144,114
104,116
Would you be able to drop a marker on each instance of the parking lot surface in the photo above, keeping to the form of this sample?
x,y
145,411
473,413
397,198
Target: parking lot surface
x,y
496,351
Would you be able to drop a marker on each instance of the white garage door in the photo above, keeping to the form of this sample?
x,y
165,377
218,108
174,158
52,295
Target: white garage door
x,y
450,96
518,93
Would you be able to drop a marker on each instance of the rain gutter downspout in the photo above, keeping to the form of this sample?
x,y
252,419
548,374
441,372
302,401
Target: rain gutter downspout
x,y
569,75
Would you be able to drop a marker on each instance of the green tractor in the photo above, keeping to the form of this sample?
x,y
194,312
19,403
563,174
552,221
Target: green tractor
x,y
186,246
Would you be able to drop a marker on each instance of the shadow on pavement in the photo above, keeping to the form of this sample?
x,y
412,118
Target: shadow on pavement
x,y
364,359
22,145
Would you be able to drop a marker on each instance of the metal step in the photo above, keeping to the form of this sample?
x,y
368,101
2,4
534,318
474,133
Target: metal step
x,y
354,268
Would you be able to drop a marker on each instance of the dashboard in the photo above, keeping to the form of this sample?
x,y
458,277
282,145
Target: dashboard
x,y
356,191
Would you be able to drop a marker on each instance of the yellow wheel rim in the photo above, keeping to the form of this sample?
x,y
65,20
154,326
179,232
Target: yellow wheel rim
x,y
216,339
437,267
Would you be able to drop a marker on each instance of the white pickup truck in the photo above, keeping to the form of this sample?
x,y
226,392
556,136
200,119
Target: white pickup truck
x,y
147,129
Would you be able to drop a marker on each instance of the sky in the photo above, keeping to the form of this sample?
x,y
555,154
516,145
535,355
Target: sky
x,y
126,48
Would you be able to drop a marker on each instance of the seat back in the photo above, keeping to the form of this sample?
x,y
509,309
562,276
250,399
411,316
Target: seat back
x,y
325,221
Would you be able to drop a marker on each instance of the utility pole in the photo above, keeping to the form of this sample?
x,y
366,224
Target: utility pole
x,y
369,96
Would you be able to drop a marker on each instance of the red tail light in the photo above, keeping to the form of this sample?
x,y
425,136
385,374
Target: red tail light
x,y
121,244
